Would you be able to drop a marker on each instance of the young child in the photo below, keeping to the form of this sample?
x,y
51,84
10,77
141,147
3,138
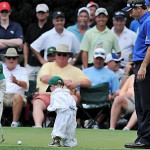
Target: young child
x,y
2,90
65,106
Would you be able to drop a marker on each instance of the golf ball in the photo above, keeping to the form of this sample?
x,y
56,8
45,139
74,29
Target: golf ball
x,y
19,142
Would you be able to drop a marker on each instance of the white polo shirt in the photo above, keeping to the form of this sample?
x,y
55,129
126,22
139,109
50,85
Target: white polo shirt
x,y
52,39
126,42
21,74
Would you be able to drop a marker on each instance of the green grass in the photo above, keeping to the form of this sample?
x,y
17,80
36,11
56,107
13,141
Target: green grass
x,y
88,139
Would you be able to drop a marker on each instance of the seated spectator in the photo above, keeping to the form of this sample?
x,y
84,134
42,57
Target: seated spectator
x,y
72,76
99,74
113,63
2,90
16,84
124,103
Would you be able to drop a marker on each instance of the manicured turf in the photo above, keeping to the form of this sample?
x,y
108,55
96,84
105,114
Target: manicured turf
x,y
88,139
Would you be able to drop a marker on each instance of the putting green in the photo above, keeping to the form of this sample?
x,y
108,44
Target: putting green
x,y
88,139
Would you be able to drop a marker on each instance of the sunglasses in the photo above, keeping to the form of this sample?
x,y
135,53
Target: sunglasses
x,y
41,12
4,11
117,62
14,58
62,54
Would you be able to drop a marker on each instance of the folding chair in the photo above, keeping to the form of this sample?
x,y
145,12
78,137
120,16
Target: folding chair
x,y
95,97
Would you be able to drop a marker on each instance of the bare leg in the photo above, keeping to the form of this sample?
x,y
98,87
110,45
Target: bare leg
x,y
132,121
118,104
17,107
38,114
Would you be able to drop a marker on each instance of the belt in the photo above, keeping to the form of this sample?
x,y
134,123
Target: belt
x,y
138,62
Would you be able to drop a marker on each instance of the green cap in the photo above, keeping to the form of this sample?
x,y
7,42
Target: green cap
x,y
54,81
1,72
50,50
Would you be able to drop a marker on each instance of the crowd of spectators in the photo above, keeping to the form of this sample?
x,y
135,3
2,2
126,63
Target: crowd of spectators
x,y
84,54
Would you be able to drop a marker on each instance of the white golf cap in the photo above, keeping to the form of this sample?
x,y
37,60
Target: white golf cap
x,y
42,7
113,56
99,52
101,11
84,9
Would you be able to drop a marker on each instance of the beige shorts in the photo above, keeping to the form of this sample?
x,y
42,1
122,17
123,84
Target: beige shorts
x,y
8,98
130,108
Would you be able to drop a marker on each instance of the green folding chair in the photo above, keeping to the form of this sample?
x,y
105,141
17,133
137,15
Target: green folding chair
x,y
95,97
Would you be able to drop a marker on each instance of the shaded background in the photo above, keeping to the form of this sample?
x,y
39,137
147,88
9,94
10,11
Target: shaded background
x,y
23,11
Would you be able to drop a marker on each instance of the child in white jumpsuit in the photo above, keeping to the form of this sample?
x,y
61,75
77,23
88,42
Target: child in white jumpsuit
x,y
65,106
2,90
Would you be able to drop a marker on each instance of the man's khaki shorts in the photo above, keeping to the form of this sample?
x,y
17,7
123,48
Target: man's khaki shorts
x,y
8,98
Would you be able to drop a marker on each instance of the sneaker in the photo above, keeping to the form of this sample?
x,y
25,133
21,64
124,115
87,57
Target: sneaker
x,y
95,126
14,124
126,129
55,143
122,122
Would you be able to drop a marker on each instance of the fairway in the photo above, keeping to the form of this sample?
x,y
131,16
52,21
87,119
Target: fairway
x,y
88,139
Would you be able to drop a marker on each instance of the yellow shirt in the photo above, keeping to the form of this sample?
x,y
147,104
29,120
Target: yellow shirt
x,y
67,73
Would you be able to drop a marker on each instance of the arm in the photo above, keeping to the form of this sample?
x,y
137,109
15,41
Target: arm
x,y
19,83
85,59
126,73
75,84
25,52
45,78
17,42
38,55
142,71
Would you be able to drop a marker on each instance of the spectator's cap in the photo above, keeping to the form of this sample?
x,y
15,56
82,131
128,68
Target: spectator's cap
x,y
1,72
91,3
147,2
112,56
63,48
54,81
101,11
132,5
50,50
12,52
5,6
84,9
57,14
42,7
119,15
99,52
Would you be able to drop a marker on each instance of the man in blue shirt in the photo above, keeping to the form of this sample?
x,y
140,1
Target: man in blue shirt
x,y
99,74
11,34
141,58
80,28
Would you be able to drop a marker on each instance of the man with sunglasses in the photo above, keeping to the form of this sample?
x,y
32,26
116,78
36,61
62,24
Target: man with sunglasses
x,y
11,34
16,84
99,74
35,30
73,77
141,58
113,63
